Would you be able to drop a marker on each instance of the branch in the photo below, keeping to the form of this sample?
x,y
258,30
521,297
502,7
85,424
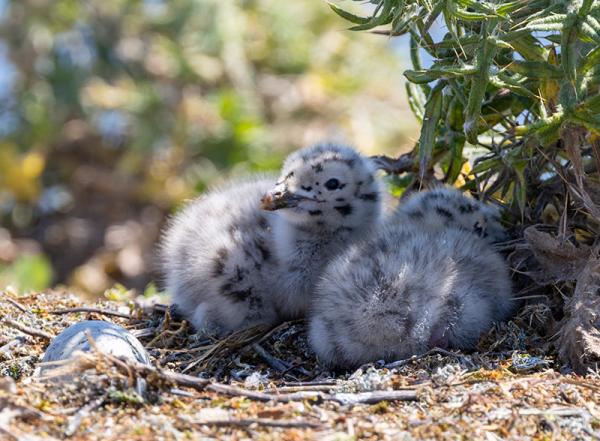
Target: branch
x,y
90,310
267,422
27,330
404,163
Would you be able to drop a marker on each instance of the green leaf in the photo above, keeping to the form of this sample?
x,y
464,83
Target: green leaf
x,y
535,69
416,100
348,16
568,48
506,82
590,28
433,113
485,56
456,145
383,18
530,48
428,75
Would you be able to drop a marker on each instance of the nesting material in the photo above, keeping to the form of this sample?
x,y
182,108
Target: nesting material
x,y
482,395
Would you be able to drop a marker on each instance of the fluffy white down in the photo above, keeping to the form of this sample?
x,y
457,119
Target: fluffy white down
x,y
214,254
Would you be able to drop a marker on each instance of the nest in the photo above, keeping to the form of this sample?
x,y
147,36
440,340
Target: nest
x,y
267,383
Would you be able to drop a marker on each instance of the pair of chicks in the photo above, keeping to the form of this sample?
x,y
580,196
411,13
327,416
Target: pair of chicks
x,y
316,243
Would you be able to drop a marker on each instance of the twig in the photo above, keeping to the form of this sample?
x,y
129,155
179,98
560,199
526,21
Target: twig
x,y
141,333
274,362
374,397
400,363
227,345
261,396
312,383
27,330
267,422
559,411
591,433
182,380
8,346
396,166
313,388
278,328
90,310
343,398
150,371
16,304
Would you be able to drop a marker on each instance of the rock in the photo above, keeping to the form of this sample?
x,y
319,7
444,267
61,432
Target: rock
x,y
110,339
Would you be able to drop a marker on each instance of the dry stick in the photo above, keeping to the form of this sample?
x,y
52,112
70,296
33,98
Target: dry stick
x,y
278,328
91,310
203,385
27,330
267,422
16,304
400,363
342,398
173,377
304,388
235,391
311,383
274,362
8,346
402,164
233,342
373,397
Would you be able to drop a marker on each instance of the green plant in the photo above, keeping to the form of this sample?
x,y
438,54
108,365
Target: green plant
x,y
518,79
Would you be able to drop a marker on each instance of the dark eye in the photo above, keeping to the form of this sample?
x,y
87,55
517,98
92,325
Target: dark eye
x,y
332,184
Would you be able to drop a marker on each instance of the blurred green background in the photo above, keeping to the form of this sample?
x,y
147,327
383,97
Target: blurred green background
x,y
112,112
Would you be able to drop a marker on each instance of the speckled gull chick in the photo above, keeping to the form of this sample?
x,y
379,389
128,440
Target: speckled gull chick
x,y
445,207
411,286
250,253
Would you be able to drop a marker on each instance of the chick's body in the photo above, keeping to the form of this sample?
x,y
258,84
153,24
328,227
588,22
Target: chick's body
x,y
405,290
217,257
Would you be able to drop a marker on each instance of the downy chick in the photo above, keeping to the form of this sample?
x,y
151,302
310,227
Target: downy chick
x,y
407,290
445,207
251,253
327,198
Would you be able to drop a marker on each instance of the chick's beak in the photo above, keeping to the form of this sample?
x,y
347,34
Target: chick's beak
x,y
279,198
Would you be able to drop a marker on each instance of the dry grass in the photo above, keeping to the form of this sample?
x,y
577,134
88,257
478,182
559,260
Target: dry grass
x,y
266,384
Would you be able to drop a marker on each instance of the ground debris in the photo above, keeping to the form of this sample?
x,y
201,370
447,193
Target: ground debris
x,y
266,384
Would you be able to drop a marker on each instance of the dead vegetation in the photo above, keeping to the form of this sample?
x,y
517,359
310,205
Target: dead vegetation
x,y
266,384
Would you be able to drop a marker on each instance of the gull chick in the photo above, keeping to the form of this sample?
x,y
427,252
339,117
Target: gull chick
x,y
406,290
326,198
250,253
445,207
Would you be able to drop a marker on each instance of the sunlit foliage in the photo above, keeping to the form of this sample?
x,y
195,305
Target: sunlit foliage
x,y
113,111
516,80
